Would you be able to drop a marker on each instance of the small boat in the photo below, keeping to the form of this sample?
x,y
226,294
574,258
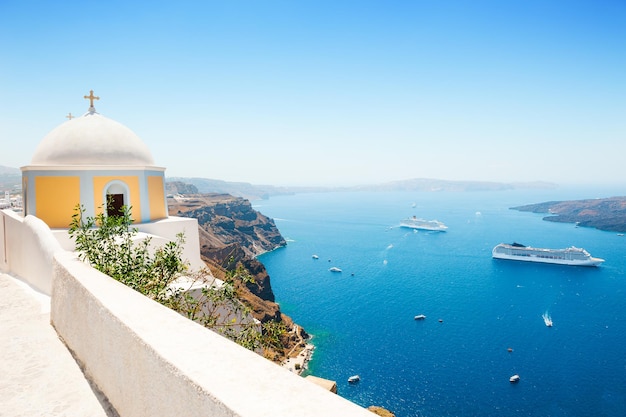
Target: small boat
x,y
514,379
335,269
420,317
315,257
354,379
547,319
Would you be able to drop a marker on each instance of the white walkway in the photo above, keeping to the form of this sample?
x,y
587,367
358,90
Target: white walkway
x,y
38,376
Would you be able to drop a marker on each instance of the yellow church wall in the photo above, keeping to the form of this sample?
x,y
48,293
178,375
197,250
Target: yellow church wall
x,y
156,191
56,198
132,182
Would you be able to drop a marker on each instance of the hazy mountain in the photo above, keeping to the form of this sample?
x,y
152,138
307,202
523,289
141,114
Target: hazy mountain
x,y
255,192
10,177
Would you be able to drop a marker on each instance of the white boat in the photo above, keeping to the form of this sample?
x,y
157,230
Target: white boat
x,y
335,269
315,257
421,224
514,378
547,319
568,256
420,317
354,379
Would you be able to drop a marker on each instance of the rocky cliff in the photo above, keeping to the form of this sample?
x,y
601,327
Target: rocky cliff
x,y
602,213
233,233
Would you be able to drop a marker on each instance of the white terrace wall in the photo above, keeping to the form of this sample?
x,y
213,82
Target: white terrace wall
x,y
161,232
168,228
146,359
150,361
27,247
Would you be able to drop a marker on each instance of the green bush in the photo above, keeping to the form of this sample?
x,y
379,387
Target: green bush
x,y
108,244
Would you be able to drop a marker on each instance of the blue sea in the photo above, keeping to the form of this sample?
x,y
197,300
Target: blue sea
x,y
457,361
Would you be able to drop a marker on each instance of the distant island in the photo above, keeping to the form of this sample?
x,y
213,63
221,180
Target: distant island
x,y
607,214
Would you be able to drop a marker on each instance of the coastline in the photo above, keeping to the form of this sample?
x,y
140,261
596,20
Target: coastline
x,y
298,363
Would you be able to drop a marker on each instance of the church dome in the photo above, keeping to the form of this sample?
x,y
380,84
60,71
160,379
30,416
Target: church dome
x,y
92,139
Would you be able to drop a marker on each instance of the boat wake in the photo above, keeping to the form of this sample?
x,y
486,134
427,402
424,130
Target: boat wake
x,y
547,319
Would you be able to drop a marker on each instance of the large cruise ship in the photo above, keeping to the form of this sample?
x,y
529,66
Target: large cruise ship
x,y
421,224
569,256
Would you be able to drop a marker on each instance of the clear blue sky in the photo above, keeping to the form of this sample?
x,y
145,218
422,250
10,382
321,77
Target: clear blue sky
x,y
330,92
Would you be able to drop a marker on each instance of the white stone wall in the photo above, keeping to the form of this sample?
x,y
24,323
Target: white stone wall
x,y
150,361
26,249
168,228
162,231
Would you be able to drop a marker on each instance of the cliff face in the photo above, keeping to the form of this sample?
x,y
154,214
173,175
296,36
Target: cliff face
x,y
232,232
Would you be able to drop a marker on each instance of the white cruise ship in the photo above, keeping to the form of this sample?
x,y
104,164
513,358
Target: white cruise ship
x,y
421,224
569,256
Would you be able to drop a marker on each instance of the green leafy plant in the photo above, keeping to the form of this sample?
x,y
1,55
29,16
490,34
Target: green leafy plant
x,y
112,246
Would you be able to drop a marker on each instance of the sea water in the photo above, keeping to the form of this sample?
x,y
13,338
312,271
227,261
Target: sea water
x,y
483,316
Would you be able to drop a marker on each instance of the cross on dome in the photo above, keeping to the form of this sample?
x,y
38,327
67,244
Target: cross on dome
x,y
69,116
91,98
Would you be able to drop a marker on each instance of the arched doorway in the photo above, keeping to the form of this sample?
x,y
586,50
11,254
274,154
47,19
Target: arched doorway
x,y
116,197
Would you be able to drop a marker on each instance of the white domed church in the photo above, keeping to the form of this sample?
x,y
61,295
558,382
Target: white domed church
x,y
87,160
100,164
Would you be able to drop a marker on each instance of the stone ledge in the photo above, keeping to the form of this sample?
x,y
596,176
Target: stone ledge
x,y
150,361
